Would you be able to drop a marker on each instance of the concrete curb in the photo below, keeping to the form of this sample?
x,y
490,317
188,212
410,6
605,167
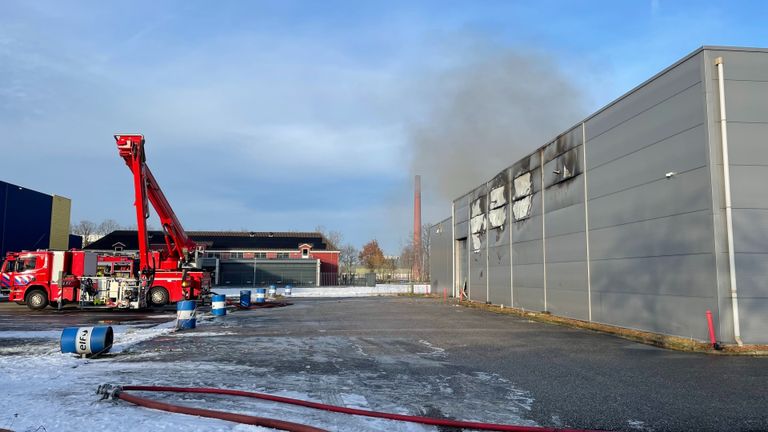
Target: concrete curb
x,y
655,339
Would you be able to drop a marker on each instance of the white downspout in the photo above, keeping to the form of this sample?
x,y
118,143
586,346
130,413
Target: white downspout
x,y
453,248
728,211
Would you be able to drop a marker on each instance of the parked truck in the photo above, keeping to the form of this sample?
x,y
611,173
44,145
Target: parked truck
x,y
41,278
155,278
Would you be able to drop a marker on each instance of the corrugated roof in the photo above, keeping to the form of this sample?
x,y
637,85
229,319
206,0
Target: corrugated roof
x,y
220,240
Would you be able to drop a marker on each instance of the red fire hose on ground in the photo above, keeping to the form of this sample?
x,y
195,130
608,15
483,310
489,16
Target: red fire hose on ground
x,y
117,392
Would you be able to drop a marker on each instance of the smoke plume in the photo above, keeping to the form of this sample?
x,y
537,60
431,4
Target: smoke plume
x,y
490,109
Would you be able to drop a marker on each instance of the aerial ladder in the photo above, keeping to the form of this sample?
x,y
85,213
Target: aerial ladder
x,y
169,274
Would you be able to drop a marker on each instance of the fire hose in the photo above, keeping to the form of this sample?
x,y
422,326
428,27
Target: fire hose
x,y
119,392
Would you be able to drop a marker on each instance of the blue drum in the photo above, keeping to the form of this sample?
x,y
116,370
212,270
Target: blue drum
x,y
87,341
245,299
219,305
186,314
261,294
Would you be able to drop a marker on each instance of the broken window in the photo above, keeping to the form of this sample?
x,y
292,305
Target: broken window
x,y
523,185
477,224
521,207
497,215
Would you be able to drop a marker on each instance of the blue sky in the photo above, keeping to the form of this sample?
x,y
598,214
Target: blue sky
x,y
285,115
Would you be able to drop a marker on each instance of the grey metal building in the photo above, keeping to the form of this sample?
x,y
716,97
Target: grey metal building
x,y
622,219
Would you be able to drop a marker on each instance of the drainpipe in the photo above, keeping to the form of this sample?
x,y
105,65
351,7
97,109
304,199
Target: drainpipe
x,y
453,248
728,211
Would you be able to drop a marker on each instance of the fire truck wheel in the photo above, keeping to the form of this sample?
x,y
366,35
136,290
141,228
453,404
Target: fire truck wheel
x,y
36,299
158,296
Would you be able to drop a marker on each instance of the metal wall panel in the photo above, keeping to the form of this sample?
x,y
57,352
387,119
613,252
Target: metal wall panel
x,y
651,237
478,245
679,153
3,205
563,143
567,289
670,117
27,224
745,100
59,235
748,143
565,237
300,272
746,93
684,193
689,233
673,81
499,257
440,257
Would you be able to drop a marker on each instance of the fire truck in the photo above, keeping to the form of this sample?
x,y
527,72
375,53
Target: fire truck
x,y
41,278
156,278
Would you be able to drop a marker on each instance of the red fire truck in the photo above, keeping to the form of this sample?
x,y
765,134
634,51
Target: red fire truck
x,y
161,277
42,278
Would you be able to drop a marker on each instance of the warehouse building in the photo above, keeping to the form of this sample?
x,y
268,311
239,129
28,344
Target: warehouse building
x,y
247,258
622,219
31,220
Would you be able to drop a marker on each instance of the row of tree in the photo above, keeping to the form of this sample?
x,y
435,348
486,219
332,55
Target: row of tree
x,y
91,231
372,257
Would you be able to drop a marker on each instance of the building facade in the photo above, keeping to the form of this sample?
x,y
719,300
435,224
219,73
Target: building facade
x,y
247,258
31,220
622,219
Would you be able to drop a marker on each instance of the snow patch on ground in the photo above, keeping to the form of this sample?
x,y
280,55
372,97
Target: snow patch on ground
x,y
202,334
354,291
21,334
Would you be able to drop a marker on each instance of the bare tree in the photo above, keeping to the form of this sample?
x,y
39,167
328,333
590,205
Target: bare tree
x,y
332,237
426,242
107,226
348,257
85,229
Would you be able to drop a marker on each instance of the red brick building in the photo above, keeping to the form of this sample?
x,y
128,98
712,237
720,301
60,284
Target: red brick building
x,y
242,258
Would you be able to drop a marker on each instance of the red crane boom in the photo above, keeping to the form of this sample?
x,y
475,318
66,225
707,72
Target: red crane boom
x,y
178,245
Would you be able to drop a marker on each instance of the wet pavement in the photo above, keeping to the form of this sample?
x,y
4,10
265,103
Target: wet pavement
x,y
20,318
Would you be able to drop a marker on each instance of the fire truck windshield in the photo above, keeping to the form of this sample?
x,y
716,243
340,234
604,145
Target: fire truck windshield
x,y
28,263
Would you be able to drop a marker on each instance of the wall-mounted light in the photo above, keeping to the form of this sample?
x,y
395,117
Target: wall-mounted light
x,y
670,174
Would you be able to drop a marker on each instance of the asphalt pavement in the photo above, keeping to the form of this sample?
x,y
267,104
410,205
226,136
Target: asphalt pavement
x,y
421,356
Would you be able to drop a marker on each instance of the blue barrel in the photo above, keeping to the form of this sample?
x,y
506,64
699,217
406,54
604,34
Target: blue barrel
x,y
261,294
245,299
87,340
272,291
288,290
219,305
185,314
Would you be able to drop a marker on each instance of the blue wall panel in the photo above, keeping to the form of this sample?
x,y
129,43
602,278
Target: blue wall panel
x,y
26,221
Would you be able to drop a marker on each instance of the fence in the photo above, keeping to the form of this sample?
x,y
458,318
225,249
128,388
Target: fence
x,y
368,279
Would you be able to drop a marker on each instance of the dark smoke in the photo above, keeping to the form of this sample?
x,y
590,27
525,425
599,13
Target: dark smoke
x,y
488,111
